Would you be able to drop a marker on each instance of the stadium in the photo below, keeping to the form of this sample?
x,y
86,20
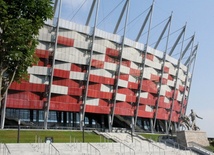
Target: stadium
x,y
87,77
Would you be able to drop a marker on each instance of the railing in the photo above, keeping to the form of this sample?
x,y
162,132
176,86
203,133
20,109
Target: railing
x,y
125,145
150,143
176,145
199,148
51,147
95,149
5,150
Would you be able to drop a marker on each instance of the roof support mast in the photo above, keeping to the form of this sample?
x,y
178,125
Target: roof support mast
x,y
113,104
144,23
163,65
90,13
168,24
186,81
176,80
143,67
83,106
47,104
193,59
176,42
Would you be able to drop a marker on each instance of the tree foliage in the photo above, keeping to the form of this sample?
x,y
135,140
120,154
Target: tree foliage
x,y
20,21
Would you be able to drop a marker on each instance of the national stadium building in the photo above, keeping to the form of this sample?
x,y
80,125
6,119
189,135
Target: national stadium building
x,y
87,77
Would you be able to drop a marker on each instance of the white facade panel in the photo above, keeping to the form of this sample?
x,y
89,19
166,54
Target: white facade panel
x,y
184,68
153,64
71,54
77,75
170,83
39,79
92,101
72,35
59,89
179,97
139,46
132,79
158,53
74,26
144,94
134,65
101,72
124,69
62,65
110,66
100,57
171,59
105,43
109,36
44,35
146,75
105,88
129,42
81,44
43,46
120,97
181,75
166,100
99,48
122,83
165,87
148,108
39,70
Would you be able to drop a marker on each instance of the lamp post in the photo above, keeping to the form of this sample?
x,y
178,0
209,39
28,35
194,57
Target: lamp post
x,y
18,136
83,132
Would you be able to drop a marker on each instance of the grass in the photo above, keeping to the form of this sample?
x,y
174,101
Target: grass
x,y
154,137
32,136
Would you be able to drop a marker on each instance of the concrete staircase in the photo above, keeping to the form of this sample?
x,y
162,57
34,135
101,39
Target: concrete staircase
x,y
124,144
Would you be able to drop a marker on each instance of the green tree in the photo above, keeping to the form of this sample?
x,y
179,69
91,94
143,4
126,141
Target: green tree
x,y
20,21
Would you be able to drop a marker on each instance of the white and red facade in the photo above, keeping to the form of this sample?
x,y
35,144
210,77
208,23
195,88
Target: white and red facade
x,y
70,71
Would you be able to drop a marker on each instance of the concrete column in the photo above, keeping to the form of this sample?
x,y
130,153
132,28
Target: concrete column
x,y
151,125
109,123
31,115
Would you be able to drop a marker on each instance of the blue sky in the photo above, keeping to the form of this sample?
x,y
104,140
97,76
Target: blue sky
x,y
199,16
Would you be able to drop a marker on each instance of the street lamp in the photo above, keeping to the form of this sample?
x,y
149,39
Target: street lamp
x,y
18,136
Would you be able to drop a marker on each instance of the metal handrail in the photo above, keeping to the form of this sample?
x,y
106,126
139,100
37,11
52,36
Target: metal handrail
x,y
123,143
96,149
7,150
52,146
199,147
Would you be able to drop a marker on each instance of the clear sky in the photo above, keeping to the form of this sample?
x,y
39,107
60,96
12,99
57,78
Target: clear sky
x,y
199,16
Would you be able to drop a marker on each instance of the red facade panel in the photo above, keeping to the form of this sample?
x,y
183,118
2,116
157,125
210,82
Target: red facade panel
x,y
27,87
59,106
155,78
75,91
166,69
42,53
126,91
61,73
97,109
66,82
76,68
105,95
100,79
124,77
112,52
65,41
97,63
132,85
134,72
